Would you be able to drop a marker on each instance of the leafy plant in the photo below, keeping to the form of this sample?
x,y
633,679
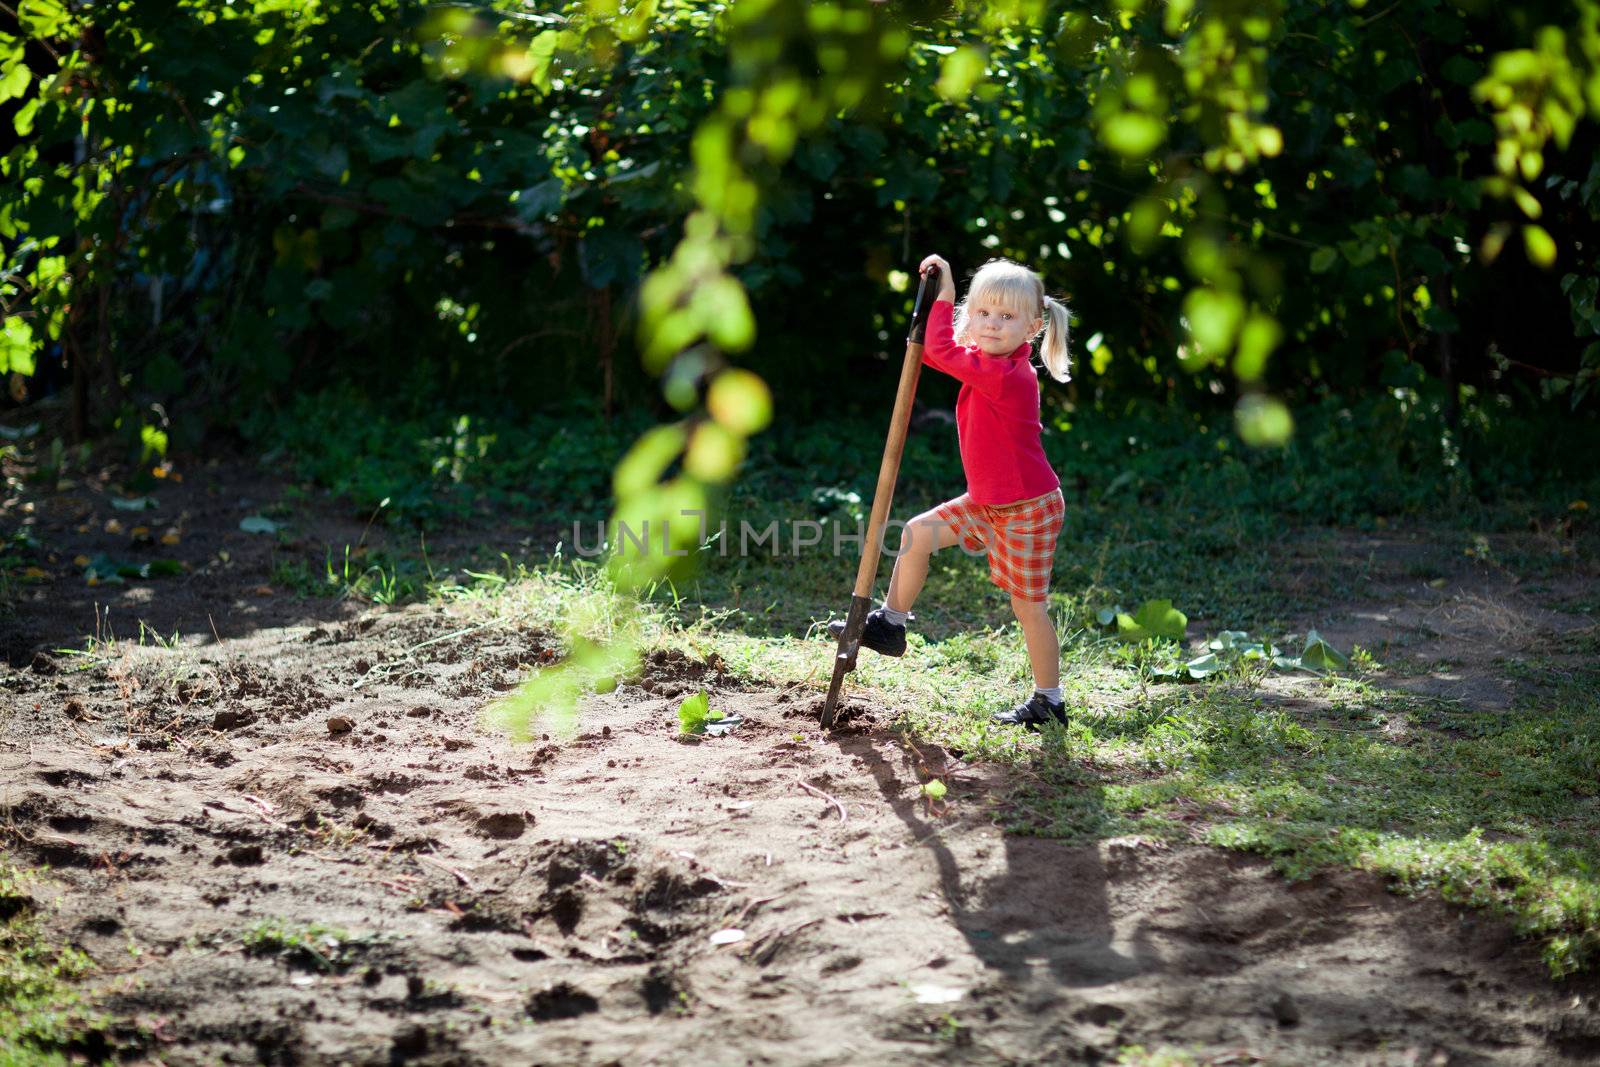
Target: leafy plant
x,y
372,577
696,716
692,714
1155,618
314,945
42,1013
1318,655
1231,650
107,570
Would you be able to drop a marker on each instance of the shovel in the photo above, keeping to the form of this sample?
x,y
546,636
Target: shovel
x,y
860,600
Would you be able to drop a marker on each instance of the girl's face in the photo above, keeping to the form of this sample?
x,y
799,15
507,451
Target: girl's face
x,y
997,328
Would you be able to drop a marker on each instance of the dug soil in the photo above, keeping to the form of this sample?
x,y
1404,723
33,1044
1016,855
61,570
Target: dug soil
x,y
287,839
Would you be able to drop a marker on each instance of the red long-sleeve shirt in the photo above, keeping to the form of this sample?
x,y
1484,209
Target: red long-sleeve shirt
x,y
997,414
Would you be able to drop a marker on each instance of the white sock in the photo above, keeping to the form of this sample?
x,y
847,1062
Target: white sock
x,y
898,618
1053,695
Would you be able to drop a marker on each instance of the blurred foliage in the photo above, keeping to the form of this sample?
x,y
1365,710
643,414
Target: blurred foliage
x,y
488,198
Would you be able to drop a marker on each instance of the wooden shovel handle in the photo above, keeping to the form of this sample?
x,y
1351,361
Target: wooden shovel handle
x,y
899,423
927,293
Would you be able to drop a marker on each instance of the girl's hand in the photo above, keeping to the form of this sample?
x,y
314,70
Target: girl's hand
x,y
947,280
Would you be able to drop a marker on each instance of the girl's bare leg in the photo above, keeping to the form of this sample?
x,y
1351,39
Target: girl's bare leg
x,y
923,536
1044,648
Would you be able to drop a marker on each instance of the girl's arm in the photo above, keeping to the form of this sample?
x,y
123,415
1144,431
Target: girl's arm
x,y
939,348
940,351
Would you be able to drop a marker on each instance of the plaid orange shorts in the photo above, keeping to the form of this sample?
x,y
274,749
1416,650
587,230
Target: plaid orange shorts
x,y
1020,539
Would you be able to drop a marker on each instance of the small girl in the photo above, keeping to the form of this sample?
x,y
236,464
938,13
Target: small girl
x,y
1013,506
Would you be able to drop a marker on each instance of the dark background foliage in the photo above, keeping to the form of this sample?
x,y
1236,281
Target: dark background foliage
x,y
214,208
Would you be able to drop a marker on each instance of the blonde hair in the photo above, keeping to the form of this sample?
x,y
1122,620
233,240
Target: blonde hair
x,y
1011,285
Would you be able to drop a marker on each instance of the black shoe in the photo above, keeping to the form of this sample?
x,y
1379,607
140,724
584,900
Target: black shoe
x,y
880,635
1038,710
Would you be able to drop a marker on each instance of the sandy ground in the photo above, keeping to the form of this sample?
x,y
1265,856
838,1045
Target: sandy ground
x,y
774,896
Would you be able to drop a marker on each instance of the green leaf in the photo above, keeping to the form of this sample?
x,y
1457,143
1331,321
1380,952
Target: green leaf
x,y
647,460
1319,656
1133,134
1214,317
152,443
634,174
15,81
1541,246
1155,618
1323,259
107,570
934,790
258,524
1204,666
42,19
541,53
1146,218
740,401
725,313
692,714
1263,421
636,23
103,570
16,346
960,72
541,200
818,159
1259,337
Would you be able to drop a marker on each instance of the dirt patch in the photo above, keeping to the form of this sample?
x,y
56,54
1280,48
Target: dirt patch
x,y
296,803
1455,623
774,895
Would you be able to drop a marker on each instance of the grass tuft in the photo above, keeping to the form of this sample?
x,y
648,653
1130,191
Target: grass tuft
x,y
44,1018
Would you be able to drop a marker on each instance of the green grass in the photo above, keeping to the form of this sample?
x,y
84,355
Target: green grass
x,y
440,466
43,1014
311,946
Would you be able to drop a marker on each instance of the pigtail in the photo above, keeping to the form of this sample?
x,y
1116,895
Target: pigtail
x,y
1053,350
958,322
